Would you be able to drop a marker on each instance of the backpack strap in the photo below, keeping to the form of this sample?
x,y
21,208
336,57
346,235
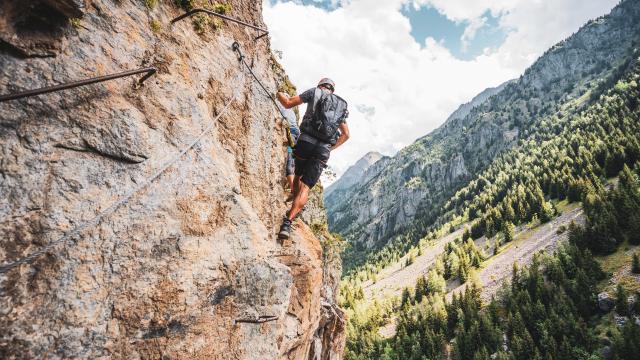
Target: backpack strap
x,y
317,94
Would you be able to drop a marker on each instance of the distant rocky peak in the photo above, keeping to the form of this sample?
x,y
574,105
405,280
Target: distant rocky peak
x,y
369,159
354,172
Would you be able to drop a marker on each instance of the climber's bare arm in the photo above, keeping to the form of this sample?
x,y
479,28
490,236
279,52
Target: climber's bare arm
x,y
344,129
288,102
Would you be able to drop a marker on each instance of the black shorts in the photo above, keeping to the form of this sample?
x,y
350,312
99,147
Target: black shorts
x,y
311,159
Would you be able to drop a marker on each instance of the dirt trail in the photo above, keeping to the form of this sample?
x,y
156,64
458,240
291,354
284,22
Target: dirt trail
x,y
543,238
393,279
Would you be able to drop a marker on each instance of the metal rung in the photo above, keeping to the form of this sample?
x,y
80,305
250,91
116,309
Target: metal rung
x,y
260,320
213,13
149,71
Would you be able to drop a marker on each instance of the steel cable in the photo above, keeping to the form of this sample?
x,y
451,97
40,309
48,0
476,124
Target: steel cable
x,y
191,12
149,71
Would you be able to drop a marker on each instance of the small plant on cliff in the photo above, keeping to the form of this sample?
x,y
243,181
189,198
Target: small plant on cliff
x,y
150,3
75,22
201,22
332,244
155,26
287,87
221,8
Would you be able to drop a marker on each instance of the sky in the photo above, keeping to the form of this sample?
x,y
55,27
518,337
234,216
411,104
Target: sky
x,y
405,65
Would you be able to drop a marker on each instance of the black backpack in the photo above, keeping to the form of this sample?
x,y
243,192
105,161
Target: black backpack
x,y
329,111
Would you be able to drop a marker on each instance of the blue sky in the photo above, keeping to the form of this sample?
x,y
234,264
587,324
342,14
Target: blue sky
x,y
427,21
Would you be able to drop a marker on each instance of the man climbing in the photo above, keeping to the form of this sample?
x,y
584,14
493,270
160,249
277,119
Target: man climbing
x,y
323,129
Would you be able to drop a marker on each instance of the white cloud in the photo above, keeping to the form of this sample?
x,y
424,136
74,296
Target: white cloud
x,y
470,32
366,47
464,10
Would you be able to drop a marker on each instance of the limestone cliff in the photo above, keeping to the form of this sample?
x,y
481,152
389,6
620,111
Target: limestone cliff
x,y
186,266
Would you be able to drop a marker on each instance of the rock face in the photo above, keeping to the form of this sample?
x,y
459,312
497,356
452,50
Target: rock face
x,y
189,263
35,28
405,196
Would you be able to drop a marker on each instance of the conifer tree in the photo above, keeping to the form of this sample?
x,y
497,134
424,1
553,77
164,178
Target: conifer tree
x,y
626,201
508,232
622,306
406,297
435,283
421,287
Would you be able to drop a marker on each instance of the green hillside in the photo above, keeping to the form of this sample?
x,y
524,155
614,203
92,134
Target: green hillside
x,y
439,176
542,137
549,310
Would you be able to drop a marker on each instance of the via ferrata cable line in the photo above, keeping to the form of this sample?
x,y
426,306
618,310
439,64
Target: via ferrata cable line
x,y
194,11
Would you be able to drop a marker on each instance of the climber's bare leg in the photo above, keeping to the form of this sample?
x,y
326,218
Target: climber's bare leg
x,y
302,195
296,186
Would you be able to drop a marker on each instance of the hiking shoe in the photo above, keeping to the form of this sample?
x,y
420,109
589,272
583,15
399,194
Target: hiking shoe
x,y
285,229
